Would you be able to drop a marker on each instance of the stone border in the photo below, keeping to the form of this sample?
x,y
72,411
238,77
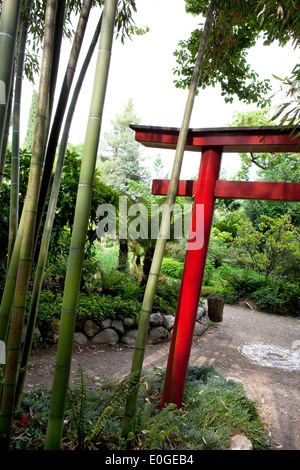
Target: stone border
x,y
125,331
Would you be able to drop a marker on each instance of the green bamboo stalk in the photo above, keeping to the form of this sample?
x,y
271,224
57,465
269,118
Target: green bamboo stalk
x,y
15,156
81,219
141,340
9,23
33,310
59,114
57,41
7,128
25,260
10,284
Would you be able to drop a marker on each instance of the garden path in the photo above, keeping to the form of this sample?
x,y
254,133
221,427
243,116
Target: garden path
x,y
274,387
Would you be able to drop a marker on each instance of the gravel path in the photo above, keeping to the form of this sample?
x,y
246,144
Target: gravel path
x,y
274,388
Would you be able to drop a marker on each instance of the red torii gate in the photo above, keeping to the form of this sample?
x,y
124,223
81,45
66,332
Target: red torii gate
x,y
212,143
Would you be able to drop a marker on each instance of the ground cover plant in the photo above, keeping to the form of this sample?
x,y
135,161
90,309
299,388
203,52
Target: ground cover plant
x,y
214,409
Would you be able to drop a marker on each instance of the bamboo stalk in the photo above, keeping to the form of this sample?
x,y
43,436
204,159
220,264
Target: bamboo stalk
x,y
81,219
59,115
24,267
57,41
15,156
6,130
33,310
141,340
9,22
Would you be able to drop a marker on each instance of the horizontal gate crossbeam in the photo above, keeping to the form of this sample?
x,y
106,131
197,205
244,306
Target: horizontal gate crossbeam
x,y
236,189
231,139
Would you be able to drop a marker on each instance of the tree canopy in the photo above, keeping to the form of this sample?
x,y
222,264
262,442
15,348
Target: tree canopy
x,y
236,27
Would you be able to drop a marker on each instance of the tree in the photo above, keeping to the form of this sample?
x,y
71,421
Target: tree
x,y
121,165
272,247
120,155
284,167
236,28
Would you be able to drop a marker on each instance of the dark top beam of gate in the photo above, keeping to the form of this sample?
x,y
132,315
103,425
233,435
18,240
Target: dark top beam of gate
x,y
235,189
231,139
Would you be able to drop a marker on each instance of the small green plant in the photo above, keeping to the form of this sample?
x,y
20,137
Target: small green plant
x,y
213,409
77,400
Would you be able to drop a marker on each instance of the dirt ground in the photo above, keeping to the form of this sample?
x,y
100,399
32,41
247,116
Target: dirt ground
x,y
275,390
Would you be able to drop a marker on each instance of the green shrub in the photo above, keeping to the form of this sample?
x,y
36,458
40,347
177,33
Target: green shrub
x,y
97,307
278,297
241,281
91,306
49,307
171,267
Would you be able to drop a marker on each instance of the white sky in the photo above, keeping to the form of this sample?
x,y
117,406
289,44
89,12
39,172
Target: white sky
x,y
142,70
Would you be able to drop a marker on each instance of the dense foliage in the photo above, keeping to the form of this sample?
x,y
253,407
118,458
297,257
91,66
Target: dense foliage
x,y
214,409
237,26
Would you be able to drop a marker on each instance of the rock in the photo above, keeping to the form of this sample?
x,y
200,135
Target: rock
x,y
129,337
239,381
240,442
35,333
105,323
80,338
118,326
236,380
204,320
90,328
199,329
107,336
156,319
52,332
201,311
158,334
128,322
168,321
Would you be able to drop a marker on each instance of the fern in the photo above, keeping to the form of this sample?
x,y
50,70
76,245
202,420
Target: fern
x,y
78,408
144,416
99,427
161,429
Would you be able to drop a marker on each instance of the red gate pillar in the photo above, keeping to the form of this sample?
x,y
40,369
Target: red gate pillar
x,y
192,278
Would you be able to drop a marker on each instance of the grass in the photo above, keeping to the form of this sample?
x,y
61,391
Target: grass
x,y
214,409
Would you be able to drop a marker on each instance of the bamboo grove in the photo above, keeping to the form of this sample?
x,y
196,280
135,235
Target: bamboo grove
x,y
115,19
45,23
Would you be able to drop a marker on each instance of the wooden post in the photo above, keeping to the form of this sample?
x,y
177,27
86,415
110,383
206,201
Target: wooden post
x,y
215,307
